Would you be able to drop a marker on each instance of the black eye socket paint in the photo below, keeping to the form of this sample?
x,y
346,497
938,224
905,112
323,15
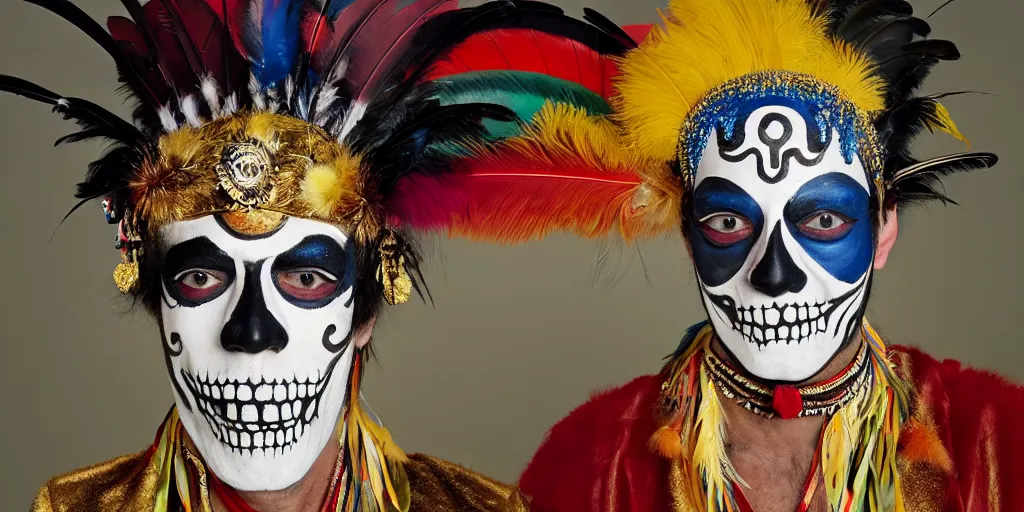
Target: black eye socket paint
x,y
318,252
197,253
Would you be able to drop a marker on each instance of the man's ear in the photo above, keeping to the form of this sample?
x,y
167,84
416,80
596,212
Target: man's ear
x,y
886,238
362,336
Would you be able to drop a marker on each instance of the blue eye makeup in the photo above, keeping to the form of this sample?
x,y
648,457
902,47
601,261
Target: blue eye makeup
x,y
829,217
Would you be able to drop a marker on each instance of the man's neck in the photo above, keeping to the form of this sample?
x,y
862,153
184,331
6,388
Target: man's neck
x,y
743,421
774,455
306,495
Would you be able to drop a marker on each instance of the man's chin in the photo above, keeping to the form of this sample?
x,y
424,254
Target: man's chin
x,y
259,469
794,362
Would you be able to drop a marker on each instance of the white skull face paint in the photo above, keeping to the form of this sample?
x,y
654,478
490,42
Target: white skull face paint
x,y
257,336
782,243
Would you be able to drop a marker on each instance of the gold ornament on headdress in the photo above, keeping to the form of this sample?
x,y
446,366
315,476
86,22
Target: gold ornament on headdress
x,y
246,173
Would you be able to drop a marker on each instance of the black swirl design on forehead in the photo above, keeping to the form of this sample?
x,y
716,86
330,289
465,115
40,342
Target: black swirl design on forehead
x,y
778,160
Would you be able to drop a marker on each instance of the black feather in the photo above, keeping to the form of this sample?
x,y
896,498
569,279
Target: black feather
x,y
889,38
110,172
939,8
71,13
30,90
88,115
921,181
86,134
869,13
428,125
944,166
932,48
609,27
912,56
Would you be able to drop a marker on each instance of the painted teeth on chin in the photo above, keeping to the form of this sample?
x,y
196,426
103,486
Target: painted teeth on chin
x,y
248,416
786,323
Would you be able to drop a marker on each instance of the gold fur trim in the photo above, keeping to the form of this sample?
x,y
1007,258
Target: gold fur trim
x,y
245,162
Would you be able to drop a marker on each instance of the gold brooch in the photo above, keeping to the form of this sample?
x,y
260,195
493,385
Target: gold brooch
x,y
246,173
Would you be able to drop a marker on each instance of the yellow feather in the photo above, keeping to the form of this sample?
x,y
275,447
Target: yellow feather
x,y
568,130
709,456
328,188
705,43
263,127
558,131
943,122
374,469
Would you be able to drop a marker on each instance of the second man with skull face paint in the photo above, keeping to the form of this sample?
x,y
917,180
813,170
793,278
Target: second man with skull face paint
x,y
775,135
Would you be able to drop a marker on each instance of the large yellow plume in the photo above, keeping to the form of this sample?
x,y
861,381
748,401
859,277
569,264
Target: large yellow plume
x,y
705,43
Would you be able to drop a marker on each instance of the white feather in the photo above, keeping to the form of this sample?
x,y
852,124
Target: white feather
x,y
230,105
212,95
327,98
354,114
273,103
167,119
258,99
289,90
190,108
338,72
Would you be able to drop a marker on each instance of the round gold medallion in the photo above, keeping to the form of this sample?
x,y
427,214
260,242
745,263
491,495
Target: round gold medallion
x,y
246,173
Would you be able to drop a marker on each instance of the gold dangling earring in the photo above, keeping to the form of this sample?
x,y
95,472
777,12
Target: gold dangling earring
x,y
392,273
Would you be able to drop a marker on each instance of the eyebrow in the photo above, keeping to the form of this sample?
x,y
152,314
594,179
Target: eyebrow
x,y
196,253
319,251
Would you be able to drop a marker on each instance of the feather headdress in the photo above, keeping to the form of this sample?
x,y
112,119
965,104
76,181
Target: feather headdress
x,y
864,60
621,159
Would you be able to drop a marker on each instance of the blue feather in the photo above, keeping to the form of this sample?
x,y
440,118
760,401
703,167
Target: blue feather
x,y
279,33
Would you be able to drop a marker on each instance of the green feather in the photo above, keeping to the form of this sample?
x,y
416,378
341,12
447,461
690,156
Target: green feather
x,y
522,92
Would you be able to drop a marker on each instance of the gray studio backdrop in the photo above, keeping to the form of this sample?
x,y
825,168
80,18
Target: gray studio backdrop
x,y
517,336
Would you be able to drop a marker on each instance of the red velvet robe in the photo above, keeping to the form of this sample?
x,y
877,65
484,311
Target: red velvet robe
x,y
962,450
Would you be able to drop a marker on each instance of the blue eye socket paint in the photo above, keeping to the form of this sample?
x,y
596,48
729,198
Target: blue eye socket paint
x,y
848,257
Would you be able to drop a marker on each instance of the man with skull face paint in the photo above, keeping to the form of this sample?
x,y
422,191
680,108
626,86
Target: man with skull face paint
x,y
261,200
776,134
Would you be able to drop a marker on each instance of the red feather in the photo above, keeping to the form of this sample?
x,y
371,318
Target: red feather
x,y
637,32
188,40
236,20
377,32
511,196
520,49
135,48
390,36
